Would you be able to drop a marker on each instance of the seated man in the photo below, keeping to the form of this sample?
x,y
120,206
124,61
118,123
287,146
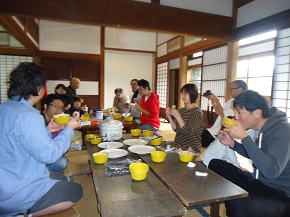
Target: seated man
x,y
216,150
120,102
27,147
149,107
268,186
53,105
236,88
135,97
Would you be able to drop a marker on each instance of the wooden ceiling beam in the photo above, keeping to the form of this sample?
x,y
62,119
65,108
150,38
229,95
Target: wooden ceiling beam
x,y
14,51
124,14
13,28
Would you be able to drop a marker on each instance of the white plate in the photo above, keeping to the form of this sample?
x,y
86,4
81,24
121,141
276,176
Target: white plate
x,y
141,149
110,145
115,153
132,142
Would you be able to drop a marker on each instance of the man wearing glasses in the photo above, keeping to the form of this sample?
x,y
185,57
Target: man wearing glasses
x,y
53,105
209,136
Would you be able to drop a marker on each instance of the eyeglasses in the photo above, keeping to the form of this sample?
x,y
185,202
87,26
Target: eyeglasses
x,y
234,88
56,106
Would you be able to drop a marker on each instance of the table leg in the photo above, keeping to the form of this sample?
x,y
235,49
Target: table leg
x,y
215,209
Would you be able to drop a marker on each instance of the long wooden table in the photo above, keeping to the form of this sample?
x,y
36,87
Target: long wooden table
x,y
190,189
194,190
120,196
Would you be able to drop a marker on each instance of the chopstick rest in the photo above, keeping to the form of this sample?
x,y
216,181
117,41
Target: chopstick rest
x,y
200,173
190,164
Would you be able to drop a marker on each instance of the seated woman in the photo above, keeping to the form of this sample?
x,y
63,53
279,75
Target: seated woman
x,y
121,101
149,107
188,123
60,89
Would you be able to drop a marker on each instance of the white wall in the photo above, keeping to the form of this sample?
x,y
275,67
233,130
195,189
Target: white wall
x,y
121,68
260,9
130,39
69,37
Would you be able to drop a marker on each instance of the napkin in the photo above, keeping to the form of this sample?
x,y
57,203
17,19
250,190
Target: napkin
x,y
200,173
191,165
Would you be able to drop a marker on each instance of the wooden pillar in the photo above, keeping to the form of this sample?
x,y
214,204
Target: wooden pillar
x,y
102,70
182,77
233,54
37,60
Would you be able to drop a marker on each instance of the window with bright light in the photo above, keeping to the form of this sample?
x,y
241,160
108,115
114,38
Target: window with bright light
x,y
257,71
256,62
281,83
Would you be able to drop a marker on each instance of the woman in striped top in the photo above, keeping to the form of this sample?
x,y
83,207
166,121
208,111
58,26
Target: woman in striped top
x,y
188,122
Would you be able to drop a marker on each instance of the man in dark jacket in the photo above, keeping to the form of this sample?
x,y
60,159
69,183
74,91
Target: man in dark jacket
x,y
74,85
269,185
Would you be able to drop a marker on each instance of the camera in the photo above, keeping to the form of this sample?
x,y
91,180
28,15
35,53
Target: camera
x,y
207,93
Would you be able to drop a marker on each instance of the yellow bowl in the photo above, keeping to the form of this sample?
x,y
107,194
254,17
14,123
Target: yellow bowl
x,y
135,132
158,156
91,136
96,140
117,116
61,118
129,118
86,117
147,133
186,156
228,121
100,157
138,171
156,141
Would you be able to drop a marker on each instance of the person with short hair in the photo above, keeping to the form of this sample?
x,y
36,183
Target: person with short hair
x,y
54,105
135,97
216,150
236,87
75,107
27,147
149,107
74,85
188,122
268,186
121,101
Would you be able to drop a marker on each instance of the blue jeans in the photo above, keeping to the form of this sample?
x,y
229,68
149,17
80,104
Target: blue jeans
x,y
148,127
58,165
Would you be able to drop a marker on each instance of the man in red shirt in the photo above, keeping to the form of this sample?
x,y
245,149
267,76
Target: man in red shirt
x,y
149,107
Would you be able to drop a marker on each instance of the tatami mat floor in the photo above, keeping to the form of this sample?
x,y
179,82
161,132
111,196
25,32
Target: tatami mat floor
x,y
79,172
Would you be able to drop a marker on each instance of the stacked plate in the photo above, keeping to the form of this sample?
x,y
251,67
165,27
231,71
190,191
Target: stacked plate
x,y
112,148
138,146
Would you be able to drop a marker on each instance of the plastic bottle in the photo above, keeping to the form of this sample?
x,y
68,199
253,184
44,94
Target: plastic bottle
x,y
99,114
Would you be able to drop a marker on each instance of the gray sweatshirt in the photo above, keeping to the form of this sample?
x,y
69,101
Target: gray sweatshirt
x,y
272,160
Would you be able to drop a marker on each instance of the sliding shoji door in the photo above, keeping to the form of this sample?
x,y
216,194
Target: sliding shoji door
x,y
214,74
7,64
281,80
162,86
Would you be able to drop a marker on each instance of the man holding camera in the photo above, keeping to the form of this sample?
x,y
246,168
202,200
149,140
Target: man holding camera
x,y
236,87
217,150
